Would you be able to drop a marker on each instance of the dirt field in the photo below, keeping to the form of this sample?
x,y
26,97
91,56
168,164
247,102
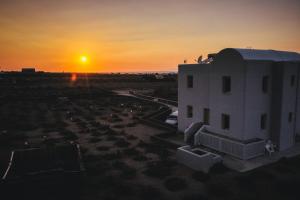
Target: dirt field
x,y
121,160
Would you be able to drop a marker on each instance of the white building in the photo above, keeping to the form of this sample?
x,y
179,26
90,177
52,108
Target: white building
x,y
244,97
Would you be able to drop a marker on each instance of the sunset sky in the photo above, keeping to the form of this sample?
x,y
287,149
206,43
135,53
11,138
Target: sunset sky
x,y
138,35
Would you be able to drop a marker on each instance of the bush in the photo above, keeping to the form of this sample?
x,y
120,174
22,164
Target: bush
x,y
131,152
25,125
158,169
158,149
140,158
122,143
127,172
94,140
200,176
104,127
50,141
175,184
118,164
83,150
111,138
131,137
115,118
91,158
131,124
123,190
104,182
103,148
69,135
118,126
95,124
112,156
96,133
111,132
142,144
97,169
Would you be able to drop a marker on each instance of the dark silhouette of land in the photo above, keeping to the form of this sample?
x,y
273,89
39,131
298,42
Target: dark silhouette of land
x,y
122,154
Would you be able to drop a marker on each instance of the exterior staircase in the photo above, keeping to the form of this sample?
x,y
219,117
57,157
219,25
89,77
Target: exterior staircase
x,y
190,132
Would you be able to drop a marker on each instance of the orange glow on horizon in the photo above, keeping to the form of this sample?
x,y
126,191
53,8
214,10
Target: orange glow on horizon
x,y
73,77
106,36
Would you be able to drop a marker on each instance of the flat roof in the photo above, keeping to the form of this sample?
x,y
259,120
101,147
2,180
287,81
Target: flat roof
x,y
267,55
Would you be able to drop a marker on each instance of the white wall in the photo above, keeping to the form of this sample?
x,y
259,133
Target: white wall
x,y
196,96
287,134
298,103
256,101
227,64
245,103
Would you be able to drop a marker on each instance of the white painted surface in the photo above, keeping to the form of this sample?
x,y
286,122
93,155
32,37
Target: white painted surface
x,y
298,103
231,103
196,96
256,101
287,134
246,102
268,55
186,156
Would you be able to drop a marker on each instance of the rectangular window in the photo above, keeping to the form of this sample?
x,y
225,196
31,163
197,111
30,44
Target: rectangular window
x,y
206,116
189,111
190,81
290,116
263,121
265,84
226,81
292,80
225,121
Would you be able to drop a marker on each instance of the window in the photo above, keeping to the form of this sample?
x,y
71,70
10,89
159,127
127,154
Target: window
x,y
263,121
265,84
290,116
292,80
206,116
225,121
189,111
190,81
226,84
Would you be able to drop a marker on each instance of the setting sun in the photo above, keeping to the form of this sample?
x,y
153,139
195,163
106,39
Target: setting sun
x,y
83,59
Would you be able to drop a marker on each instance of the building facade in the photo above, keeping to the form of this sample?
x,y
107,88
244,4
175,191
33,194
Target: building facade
x,y
244,97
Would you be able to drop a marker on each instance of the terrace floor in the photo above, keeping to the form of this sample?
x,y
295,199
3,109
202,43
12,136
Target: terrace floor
x,y
247,165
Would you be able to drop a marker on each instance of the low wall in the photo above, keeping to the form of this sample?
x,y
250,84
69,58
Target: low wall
x,y
184,155
237,149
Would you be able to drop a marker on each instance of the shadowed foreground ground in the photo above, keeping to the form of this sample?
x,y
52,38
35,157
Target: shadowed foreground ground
x,y
120,158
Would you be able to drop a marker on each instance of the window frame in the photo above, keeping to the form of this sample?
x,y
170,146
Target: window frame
x,y
190,81
206,116
292,80
265,84
189,111
226,84
290,117
225,121
263,121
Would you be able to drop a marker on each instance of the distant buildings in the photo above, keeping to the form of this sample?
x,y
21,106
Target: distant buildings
x,y
245,98
28,70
